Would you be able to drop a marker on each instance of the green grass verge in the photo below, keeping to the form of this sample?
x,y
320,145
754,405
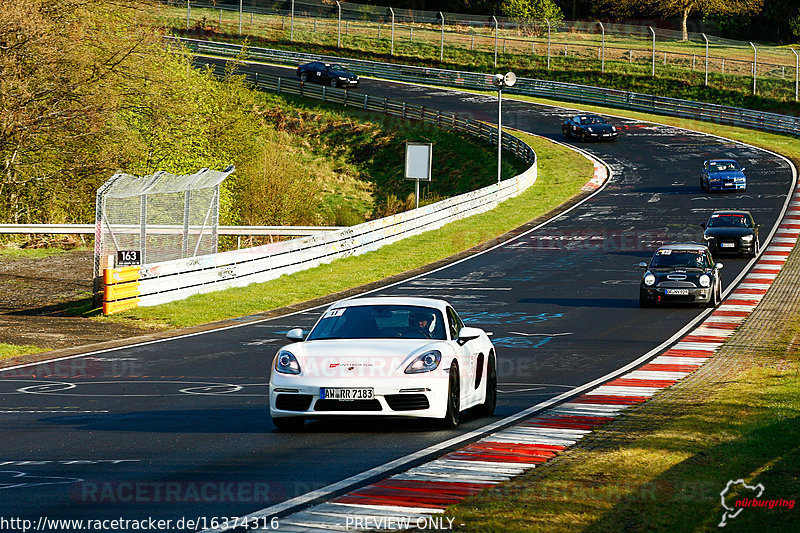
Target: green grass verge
x,y
13,253
14,350
562,173
668,475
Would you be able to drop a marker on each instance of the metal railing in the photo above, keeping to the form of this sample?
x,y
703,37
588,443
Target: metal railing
x,y
89,229
661,105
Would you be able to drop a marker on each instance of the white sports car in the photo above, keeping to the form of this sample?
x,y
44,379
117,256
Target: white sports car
x,y
384,356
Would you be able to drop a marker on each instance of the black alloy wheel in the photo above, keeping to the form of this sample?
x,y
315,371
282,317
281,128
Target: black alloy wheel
x,y
334,82
490,401
453,414
304,76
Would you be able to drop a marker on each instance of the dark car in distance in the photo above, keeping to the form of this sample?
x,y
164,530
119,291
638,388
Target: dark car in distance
x,y
327,73
681,273
722,175
589,128
731,232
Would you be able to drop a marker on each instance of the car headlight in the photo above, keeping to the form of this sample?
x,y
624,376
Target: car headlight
x,y
747,238
704,280
613,128
590,130
425,362
286,363
649,279
708,237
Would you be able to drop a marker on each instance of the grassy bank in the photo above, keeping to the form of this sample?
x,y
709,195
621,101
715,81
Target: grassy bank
x,y
663,465
562,173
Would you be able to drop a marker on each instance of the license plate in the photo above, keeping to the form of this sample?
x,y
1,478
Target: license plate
x,y
329,393
728,245
677,292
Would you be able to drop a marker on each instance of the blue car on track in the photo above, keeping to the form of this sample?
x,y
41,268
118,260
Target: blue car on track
x,y
722,175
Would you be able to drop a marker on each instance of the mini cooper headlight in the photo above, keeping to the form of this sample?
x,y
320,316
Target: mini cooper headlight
x,y
649,279
613,128
286,363
425,362
704,280
590,130
747,238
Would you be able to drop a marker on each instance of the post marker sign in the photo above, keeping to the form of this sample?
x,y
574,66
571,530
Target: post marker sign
x,y
418,161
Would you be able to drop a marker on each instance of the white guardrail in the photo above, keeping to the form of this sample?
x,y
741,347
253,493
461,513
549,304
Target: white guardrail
x,y
181,278
86,229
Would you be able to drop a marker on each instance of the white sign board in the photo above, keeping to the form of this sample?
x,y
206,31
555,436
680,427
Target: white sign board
x,y
418,161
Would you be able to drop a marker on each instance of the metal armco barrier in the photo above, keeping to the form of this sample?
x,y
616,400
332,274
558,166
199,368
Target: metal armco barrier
x,y
178,279
89,229
720,114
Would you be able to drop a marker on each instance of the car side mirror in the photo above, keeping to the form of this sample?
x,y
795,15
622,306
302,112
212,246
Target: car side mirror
x,y
468,334
642,265
295,334
703,225
718,266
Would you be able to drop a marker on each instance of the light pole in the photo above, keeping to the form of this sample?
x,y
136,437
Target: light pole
x,y
602,48
548,43
653,72
755,66
495,40
796,73
339,30
501,81
441,46
706,38
392,12
291,25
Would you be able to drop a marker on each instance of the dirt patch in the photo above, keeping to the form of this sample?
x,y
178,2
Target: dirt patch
x,y
33,294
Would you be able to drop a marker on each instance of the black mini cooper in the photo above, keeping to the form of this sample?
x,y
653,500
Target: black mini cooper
x,y
681,273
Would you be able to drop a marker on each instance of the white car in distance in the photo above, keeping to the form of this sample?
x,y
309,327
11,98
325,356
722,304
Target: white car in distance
x,y
384,356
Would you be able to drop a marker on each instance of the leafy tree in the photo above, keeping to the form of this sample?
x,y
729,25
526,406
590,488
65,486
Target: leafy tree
x,y
526,12
684,8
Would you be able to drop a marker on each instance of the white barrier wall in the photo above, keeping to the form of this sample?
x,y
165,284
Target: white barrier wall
x,y
181,278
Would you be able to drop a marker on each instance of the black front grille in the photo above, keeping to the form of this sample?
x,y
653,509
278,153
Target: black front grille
x,y
292,402
347,405
407,402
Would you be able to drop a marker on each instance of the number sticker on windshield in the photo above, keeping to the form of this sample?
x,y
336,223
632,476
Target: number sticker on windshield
x,y
334,313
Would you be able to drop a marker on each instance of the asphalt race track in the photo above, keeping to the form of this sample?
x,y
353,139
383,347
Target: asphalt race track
x,y
180,429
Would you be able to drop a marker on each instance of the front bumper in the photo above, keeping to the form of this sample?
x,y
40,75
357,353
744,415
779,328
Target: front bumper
x,y
727,186
610,136
411,396
661,295
723,246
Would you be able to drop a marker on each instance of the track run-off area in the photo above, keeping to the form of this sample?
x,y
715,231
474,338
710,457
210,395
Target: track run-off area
x,y
179,428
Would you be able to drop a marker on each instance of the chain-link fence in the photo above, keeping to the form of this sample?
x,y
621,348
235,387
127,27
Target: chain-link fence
x,y
161,216
641,47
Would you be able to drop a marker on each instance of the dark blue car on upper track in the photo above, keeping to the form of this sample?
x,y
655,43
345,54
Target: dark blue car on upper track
x,y
722,175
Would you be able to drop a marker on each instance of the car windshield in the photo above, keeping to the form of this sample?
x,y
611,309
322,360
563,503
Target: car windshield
x,y
336,67
380,322
592,120
722,166
729,221
667,258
